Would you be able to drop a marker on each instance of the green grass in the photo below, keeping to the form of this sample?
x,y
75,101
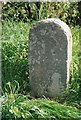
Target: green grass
x,y
19,106
71,96
14,31
15,105
75,69
15,54
15,50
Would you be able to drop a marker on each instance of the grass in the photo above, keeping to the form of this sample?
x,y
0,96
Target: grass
x,y
16,105
14,31
19,107
15,53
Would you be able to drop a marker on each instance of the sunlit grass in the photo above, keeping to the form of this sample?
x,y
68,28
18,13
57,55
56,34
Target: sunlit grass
x,y
14,104
19,106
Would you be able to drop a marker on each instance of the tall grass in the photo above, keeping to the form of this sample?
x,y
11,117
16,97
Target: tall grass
x,y
16,105
15,54
72,95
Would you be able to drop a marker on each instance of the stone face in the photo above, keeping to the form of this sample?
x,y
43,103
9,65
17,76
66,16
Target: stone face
x,y
50,51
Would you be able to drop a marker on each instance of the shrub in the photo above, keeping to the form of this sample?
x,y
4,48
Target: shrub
x,y
36,11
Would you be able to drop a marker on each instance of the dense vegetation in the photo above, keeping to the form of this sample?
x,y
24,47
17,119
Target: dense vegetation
x,y
17,18
36,11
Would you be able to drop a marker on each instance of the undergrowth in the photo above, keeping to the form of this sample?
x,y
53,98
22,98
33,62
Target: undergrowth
x,y
15,103
16,107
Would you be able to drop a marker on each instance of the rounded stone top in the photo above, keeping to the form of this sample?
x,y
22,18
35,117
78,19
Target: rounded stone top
x,y
62,25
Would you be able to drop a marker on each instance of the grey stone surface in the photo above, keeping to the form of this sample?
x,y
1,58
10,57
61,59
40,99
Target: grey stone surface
x,y
50,52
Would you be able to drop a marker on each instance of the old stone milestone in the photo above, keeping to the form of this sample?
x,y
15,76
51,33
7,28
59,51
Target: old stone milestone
x,y
50,52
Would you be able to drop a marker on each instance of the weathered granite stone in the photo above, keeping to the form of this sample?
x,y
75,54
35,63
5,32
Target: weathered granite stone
x,y
50,51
